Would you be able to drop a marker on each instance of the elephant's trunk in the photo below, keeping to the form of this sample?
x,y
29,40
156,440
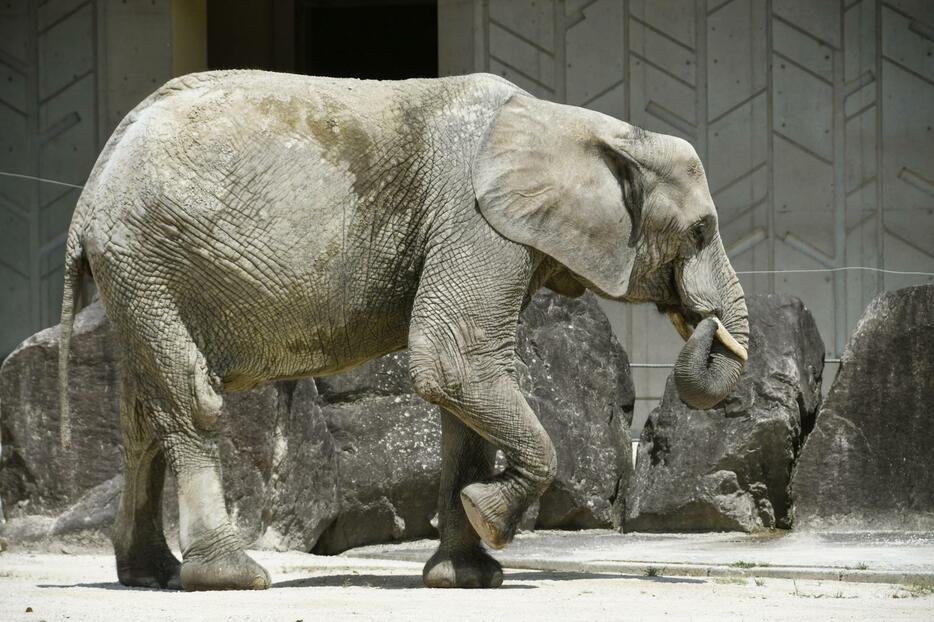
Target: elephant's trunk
x,y
712,359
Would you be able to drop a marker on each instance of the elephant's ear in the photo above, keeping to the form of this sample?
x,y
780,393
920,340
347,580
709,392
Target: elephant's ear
x,y
558,178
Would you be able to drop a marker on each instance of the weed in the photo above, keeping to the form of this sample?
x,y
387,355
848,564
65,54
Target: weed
x,y
742,564
913,590
759,582
652,571
730,580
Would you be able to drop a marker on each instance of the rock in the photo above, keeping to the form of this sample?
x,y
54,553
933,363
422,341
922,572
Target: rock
x,y
279,465
330,463
869,463
33,466
94,511
389,466
28,528
576,377
728,468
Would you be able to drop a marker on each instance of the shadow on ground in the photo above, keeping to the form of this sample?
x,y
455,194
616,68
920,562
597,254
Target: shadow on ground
x,y
513,580
102,586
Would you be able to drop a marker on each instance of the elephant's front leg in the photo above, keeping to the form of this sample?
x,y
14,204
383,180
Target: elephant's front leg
x,y
460,560
462,357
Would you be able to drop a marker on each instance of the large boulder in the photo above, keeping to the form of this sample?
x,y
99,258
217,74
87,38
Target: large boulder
x,y
328,463
387,443
728,468
869,463
36,474
576,378
279,465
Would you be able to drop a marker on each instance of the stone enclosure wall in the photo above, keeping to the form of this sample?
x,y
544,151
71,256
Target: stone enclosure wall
x,y
327,464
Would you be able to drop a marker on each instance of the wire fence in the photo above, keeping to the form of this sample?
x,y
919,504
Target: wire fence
x,y
633,365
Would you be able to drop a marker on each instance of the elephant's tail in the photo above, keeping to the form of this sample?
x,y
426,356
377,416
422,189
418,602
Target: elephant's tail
x,y
74,276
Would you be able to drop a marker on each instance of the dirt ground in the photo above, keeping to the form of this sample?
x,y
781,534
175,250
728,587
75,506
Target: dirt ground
x,y
46,586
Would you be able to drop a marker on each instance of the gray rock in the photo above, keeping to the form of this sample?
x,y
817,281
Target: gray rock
x,y
330,463
280,469
576,377
389,467
869,463
34,470
728,468
94,511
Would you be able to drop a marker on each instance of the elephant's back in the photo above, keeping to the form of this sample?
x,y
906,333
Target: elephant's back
x,y
283,206
258,212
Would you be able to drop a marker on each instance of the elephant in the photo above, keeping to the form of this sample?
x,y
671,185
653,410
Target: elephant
x,y
244,227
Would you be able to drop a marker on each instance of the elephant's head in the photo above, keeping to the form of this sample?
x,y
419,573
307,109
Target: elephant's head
x,y
629,214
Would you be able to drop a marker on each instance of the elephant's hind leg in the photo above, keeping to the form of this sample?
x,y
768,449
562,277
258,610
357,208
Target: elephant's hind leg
x,y
143,557
185,409
460,560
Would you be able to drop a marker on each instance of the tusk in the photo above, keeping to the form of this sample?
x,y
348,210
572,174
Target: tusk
x,y
680,325
728,340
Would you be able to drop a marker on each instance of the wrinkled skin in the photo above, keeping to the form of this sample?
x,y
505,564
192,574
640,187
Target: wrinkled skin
x,y
246,227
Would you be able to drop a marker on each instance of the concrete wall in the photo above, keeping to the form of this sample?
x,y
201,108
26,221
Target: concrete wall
x,y
69,72
813,118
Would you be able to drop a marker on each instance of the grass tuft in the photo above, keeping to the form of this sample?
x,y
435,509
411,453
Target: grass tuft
x,y
730,580
742,564
913,590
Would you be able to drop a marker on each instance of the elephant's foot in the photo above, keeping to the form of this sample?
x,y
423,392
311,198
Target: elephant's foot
x,y
217,562
491,514
155,567
471,568
229,571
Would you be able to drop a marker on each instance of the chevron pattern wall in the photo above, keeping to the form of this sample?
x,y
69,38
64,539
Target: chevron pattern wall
x,y
61,94
813,118
48,91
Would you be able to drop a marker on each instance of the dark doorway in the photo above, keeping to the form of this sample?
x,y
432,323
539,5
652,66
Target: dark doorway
x,y
251,34
380,39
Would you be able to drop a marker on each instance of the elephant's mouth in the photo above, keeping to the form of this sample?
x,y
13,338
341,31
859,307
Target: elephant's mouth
x,y
686,320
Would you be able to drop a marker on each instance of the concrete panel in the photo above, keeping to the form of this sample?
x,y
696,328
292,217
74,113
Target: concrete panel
x,y
136,56
736,57
803,108
69,71
818,18
595,57
456,29
528,21
524,56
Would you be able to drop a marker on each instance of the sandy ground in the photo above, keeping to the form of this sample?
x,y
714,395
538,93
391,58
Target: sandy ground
x,y
307,587
884,557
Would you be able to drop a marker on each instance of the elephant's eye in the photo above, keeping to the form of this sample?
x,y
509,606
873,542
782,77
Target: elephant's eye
x,y
699,233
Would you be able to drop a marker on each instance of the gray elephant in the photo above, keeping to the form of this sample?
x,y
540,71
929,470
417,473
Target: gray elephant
x,y
245,227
